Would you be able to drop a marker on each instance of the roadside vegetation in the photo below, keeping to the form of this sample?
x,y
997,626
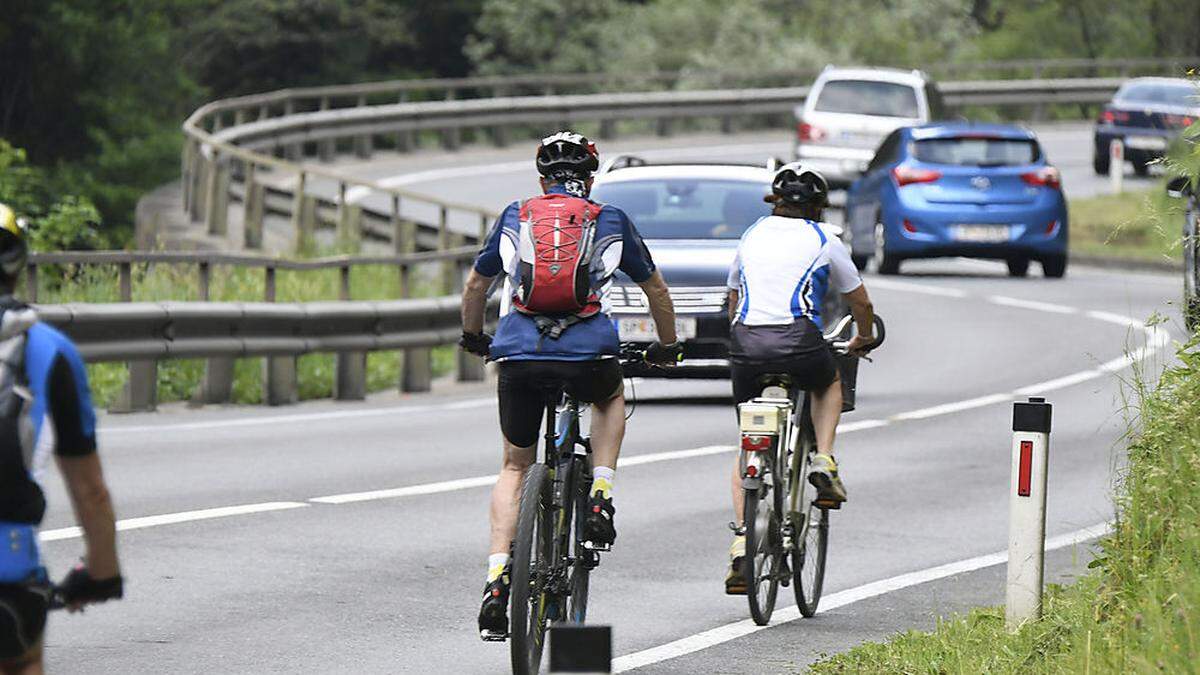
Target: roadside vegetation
x,y
1138,224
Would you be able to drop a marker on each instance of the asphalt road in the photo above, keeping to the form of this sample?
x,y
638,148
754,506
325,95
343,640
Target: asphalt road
x,y
315,571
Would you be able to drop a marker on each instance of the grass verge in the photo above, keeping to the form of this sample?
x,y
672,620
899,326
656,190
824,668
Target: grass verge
x,y
178,379
1138,610
1136,224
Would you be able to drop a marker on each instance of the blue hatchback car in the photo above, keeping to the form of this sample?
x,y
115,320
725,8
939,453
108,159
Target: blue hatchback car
x,y
959,189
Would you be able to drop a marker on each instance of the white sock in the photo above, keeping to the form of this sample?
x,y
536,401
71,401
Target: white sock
x,y
496,564
602,480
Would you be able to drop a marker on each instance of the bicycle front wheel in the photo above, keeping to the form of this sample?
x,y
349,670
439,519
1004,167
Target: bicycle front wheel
x,y
808,561
760,565
530,571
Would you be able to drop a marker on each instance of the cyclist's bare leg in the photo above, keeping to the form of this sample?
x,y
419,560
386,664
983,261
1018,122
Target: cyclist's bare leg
x,y
608,430
506,494
826,412
29,664
735,488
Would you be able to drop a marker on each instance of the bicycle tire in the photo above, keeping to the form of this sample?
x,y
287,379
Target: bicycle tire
x,y
528,633
760,568
808,562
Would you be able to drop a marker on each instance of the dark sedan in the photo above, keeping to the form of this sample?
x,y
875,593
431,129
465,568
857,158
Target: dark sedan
x,y
1146,114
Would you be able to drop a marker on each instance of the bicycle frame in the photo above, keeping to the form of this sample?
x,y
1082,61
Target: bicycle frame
x,y
786,454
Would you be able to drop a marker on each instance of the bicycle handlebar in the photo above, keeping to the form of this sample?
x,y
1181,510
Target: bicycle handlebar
x,y
839,337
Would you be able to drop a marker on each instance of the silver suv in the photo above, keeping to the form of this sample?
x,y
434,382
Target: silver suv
x,y
849,111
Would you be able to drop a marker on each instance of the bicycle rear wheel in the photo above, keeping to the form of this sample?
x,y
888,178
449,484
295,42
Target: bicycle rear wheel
x,y
530,569
808,561
584,559
760,565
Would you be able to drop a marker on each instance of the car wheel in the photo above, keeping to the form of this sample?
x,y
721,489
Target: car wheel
x,y
1018,267
1054,267
885,264
1100,163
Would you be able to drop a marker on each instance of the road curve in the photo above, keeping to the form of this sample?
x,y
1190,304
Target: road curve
x,y
351,537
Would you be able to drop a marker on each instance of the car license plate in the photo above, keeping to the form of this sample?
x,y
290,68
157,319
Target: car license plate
x,y
980,233
641,328
1146,142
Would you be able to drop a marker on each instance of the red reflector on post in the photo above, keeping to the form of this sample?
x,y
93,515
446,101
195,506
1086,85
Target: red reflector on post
x,y
1025,469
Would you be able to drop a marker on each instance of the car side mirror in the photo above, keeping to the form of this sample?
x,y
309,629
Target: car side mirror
x,y
1177,187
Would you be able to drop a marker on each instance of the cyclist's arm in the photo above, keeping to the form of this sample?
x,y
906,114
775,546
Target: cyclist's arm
x,y
734,283
662,310
474,301
862,310
488,264
71,414
734,298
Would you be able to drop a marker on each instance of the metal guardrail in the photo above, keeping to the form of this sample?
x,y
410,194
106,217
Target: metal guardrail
x,y
233,144
144,333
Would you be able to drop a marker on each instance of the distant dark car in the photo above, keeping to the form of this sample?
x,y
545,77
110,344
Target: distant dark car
x,y
959,189
1146,114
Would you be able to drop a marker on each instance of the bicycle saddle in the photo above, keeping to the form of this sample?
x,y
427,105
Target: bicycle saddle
x,y
774,380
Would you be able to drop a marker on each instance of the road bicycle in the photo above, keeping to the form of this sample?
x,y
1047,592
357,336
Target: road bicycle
x,y
786,527
551,563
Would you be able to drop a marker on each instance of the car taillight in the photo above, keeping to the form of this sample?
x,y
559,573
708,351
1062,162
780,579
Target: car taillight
x,y
1113,116
1051,227
909,227
1046,176
756,443
1178,120
906,175
808,132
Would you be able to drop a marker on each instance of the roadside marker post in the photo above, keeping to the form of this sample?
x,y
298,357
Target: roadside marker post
x,y
1027,511
1116,164
577,648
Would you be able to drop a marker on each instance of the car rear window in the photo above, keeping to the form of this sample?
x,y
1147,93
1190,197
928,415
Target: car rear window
x,y
1160,92
868,97
687,209
976,151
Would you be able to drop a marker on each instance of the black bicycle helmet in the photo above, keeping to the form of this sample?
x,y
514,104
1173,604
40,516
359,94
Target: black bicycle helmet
x,y
796,185
13,249
567,155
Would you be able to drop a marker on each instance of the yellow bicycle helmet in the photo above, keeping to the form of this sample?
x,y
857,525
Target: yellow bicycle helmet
x,y
13,249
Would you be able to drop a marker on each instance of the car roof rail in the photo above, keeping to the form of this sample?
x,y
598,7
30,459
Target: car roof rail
x,y
621,161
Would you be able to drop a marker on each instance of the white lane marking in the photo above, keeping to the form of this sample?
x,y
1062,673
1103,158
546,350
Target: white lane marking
x,y
947,408
301,417
1118,319
1032,304
181,517
860,425
411,490
731,631
918,288
673,454
429,175
1059,382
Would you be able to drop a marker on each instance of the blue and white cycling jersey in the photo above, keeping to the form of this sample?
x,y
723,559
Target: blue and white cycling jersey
x,y
784,267
618,246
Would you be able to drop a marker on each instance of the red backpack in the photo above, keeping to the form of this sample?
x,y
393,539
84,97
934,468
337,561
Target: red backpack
x,y
556,243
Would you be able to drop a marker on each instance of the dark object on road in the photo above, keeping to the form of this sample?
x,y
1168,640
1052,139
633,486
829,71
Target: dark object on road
x,y
959,189
1145,114
581,649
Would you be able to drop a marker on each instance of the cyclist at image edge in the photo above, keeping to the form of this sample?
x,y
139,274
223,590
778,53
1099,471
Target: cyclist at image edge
x,y
540,350
44,407
777,282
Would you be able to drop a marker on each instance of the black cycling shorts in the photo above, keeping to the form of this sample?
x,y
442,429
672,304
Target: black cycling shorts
x,y
797,350
525,387
22,619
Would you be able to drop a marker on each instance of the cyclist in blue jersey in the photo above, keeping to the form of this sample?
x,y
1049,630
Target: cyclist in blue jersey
x,y
45,409
563,337
784,265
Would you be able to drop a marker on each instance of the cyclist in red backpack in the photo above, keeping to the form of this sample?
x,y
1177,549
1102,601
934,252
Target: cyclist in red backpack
x,y
558,252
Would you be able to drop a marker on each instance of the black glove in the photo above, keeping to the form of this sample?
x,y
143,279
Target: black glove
x,y
79,588
479,344
663,355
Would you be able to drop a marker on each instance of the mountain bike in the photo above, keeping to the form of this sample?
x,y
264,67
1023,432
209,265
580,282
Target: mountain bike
x,y
551,563
786,527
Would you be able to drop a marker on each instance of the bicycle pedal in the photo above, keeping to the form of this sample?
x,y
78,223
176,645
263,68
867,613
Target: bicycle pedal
x,y
827,504
492,636
598,548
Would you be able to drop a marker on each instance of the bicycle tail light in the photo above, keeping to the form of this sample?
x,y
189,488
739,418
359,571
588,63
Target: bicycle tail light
x,y
757,442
